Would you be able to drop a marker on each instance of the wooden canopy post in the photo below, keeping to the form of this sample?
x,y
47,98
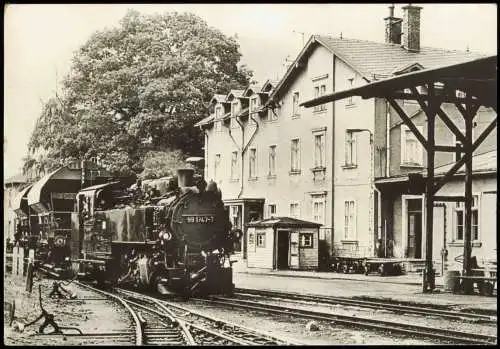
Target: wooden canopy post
x,y
478,80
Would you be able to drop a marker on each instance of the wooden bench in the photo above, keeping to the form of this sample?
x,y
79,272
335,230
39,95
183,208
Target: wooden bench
x,y
485,279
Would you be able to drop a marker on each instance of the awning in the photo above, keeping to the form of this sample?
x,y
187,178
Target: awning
x,y
96,189
20,203
283,222
34,196
35,200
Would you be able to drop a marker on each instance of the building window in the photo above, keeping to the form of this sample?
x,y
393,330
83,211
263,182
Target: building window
x,y
261,239
254,104
272,160
351,149
295,155
271,210
294,210
460,219
234,113
253,163
235,211
318,209
234,165
216,166
272,114
295,106
411,149
349,220
319,150
218,117
306,240
319,91
350,85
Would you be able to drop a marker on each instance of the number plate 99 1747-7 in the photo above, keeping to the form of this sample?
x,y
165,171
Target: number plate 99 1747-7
x,y
199,219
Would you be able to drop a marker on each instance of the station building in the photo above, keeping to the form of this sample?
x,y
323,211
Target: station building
x,y
332,164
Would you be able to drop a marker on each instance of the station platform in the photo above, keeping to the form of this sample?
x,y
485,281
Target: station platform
x,y
404,288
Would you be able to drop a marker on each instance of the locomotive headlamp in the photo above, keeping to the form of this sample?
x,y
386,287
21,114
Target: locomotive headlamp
x,y
103,225
160,235
167,236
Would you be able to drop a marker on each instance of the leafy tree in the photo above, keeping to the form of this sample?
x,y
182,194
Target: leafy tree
x,y
139,88
159,164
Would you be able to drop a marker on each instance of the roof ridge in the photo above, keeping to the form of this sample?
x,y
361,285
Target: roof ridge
x,y
397,45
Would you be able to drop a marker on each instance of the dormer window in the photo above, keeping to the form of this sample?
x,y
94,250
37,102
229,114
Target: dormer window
x,y
218,119
254,104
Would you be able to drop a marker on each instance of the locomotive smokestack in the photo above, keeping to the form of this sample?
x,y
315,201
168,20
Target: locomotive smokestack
x,y
185,177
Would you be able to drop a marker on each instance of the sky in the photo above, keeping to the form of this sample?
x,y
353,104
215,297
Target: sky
x,y
40,39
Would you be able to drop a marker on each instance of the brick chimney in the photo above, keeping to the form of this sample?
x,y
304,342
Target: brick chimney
x,y
411,28
392,28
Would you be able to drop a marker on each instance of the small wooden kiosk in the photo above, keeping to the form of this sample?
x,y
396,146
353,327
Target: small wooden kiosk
x,y
283,243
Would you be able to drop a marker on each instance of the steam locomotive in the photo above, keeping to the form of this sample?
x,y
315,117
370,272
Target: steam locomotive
x,y
176,243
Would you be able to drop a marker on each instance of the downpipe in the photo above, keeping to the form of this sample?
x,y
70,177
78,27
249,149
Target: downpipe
x,y
245,147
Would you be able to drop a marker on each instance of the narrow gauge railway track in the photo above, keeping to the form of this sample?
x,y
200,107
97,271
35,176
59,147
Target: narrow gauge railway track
x,y
455,315
209,330
355,321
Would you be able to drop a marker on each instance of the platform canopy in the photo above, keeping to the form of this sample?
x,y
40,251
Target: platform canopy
x,y
477,77
477,82
20,202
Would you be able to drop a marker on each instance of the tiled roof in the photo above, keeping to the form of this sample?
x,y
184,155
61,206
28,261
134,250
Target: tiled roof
x,y
205,121
219,98
236,93
378,58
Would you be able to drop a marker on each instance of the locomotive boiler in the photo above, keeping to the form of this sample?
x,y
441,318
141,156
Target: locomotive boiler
x,y
179,242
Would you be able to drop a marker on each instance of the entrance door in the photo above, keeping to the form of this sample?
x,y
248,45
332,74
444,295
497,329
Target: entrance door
x,y
283,249
414,228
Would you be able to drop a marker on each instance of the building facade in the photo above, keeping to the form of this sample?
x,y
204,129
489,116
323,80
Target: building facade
x,y
327,164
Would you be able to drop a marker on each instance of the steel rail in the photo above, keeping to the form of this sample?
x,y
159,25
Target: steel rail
x,y
267,336
369,304
428,332
139,340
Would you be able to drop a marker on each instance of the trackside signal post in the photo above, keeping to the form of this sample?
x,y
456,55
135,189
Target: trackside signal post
x,y
478,81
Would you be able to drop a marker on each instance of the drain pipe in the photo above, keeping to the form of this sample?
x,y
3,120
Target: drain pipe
x,y
240,149
388,138
244,148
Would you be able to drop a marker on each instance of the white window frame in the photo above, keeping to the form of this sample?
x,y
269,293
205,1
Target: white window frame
x,y
320,163
420,149
219,111
296,205
295,156
270,209
350,220
235,212
234,165
217,162
319,90
254,103
460,207
260,239
295,104
235,109
318,199
351,148
303,242
254,159
350,84
273,158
